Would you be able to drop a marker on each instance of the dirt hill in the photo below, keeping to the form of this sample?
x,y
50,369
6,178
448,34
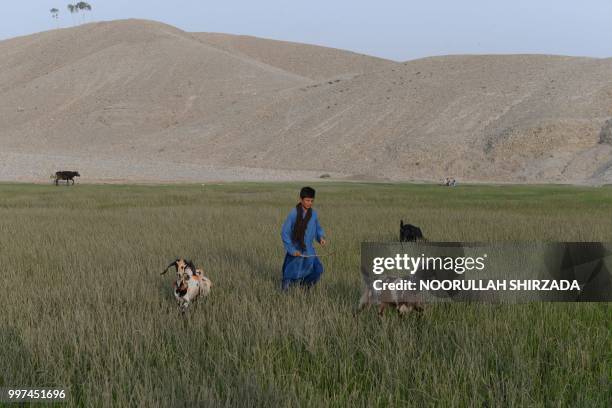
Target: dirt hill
x,y
136,100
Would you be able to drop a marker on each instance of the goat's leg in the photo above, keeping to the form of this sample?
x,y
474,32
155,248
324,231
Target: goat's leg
x,y
404,309
364,301
361,308
188,298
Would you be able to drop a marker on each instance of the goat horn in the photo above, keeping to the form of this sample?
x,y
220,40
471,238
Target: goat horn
x,y
168,267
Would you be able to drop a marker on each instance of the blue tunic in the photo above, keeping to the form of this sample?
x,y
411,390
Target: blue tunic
x,y
298,269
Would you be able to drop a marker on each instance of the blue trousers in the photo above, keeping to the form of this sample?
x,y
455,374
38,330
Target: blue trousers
x,y
299,270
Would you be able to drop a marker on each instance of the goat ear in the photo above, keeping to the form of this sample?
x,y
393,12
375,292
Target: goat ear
x,y
401,223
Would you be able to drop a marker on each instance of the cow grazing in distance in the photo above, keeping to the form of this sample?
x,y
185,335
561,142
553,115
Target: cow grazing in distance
x,y
66,175
410,233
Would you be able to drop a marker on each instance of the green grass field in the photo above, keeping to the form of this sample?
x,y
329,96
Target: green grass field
x,y
83,305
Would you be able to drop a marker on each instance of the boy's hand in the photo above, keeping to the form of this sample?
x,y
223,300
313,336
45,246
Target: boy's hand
x,y
323,242
297,253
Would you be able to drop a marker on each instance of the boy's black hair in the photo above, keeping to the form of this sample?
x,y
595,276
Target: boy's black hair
x,y
307,192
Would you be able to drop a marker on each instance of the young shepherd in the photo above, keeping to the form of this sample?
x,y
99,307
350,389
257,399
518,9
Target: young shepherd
x,y
302,265
190,283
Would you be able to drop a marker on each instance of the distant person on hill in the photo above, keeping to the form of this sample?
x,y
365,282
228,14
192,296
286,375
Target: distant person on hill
x,y
300,229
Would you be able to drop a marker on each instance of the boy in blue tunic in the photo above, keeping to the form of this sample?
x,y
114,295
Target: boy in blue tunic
x,y
298,233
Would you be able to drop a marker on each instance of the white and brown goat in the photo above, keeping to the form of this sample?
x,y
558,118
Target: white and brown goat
x,y
190,283
399,300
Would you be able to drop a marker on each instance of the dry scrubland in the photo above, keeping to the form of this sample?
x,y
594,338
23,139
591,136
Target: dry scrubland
x,y
137,100
83,304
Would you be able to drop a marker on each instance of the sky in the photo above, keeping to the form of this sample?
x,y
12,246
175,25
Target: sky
x,y
394,29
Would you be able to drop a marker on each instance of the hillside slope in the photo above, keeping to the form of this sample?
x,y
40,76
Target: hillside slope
x,y
303,59
504,118
136,100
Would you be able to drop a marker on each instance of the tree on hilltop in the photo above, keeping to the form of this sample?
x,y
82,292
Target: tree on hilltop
x,y
72,8
83,6
55,15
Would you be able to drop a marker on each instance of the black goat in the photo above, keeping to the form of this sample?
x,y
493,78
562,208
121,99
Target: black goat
x,y
410,233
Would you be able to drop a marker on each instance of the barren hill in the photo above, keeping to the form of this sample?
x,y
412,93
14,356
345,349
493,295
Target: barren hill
x,y
137,100
309,61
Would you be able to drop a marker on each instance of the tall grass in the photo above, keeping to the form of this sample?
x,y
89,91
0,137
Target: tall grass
x,y
83,305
